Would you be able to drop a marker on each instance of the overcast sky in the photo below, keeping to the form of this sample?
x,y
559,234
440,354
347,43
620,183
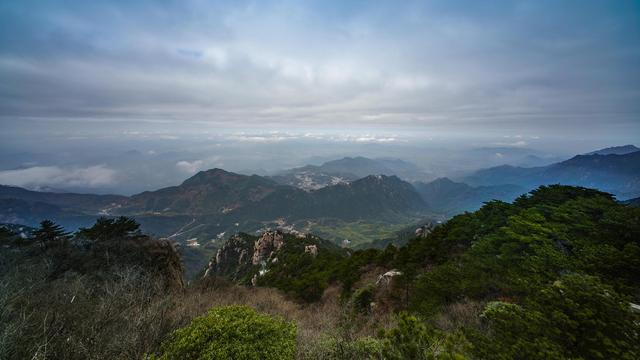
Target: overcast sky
x,y
443,65
81,81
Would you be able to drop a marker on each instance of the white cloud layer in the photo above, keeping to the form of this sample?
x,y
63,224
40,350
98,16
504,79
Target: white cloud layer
x,y
38,177
190,167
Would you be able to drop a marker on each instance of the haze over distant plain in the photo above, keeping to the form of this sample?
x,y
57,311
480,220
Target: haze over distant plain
x,y
270,84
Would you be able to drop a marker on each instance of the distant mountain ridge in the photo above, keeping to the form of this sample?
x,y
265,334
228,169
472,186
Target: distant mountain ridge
x,y
218,192
616,174
18,205
208,192
615,150
84,202
313,177
18,211
633,202
212,205
219,197
447,196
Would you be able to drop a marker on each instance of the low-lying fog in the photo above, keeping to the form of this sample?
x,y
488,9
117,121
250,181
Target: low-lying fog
x,y
127,160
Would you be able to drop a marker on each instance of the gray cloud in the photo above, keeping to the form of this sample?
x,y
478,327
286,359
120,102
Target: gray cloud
x,y
439,64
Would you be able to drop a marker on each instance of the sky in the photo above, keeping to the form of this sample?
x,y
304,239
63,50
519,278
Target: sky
x,y
107,77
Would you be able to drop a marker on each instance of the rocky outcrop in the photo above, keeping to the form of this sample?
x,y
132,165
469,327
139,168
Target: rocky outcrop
x,y
424,230
311,249
385,279
246,259
266,245
241,254
232,259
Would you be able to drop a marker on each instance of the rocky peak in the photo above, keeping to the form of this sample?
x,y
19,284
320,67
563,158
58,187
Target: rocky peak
x,y
271,255
243,252
230,257
266,245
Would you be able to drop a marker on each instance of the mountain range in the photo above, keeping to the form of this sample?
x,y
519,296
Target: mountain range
x,y
313,177
616,150
362,205
22,206
212,205
220,193
603,170
221,197
450,197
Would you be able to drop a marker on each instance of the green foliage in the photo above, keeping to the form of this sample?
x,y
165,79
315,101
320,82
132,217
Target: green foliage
x,y
555,195
10,237
233,333
348,271
516,249
121,245
556,269
512,252
6,234
299,273
501,250
575,317
363,348
363,297
50,233
340,346
515,332
361,232
412,339
107,228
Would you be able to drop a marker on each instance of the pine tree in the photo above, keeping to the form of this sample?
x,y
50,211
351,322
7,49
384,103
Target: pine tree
x,y
110,229
49,233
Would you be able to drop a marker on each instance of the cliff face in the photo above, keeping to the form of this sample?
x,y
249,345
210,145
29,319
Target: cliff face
x,y
265,247
243,254
234,259
247,259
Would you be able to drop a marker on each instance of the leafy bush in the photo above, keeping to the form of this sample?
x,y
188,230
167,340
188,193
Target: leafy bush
x,y
513,250
233,333
106,228
576,317
412,339
337,348
557,269
116,243
363,297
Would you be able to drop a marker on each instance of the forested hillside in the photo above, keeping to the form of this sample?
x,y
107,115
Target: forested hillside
x,y
552,275
555,274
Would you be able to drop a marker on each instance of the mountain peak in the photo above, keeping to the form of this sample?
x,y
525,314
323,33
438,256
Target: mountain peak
x,y
379,178
443,180
211,175
440,186
615,150
347,160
